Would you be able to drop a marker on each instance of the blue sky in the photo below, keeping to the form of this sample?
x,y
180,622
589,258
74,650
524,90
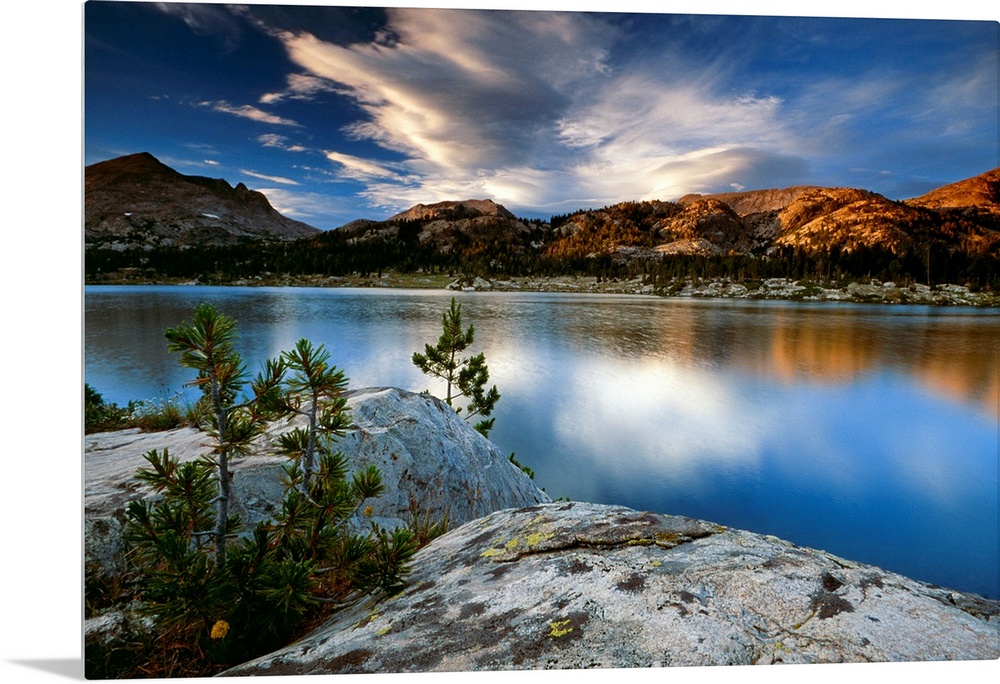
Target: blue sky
x,y
337,113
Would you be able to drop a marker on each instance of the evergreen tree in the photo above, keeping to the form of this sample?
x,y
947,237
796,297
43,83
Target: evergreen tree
x,y
314,390
208,345
215,604
463,377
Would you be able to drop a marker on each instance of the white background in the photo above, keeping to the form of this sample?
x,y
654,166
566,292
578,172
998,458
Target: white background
x,y
41,381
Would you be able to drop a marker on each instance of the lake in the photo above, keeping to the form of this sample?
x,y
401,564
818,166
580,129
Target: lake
x,y
868,431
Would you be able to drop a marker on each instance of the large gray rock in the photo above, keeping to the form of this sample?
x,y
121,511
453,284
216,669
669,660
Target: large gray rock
x,y
431,461
573,585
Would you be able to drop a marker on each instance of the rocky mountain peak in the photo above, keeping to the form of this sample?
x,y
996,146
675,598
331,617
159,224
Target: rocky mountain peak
x,y
453,210
137,201
750,202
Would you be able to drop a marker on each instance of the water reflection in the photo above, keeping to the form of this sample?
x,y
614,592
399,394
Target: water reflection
x,y
868,431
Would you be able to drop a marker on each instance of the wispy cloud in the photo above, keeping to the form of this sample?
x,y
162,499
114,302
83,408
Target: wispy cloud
x,y
300,87
314,208
247,112
272,179
279,141
206,19
549,111
578,109
460,104
358,168
556,119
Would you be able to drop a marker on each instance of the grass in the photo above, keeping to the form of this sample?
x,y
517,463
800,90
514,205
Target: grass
x,y
150,415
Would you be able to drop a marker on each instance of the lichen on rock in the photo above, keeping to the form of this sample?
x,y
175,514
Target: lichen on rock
x,y
577,585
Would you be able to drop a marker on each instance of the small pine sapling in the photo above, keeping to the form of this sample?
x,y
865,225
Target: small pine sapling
x,y
208,345
314,389
464,377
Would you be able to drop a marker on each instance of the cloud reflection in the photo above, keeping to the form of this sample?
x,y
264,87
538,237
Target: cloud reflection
x,y
666,418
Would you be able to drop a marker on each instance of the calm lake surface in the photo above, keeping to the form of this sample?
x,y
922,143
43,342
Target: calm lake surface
x,y
868,431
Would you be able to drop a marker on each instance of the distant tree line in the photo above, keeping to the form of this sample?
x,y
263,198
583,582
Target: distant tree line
x,y
491,253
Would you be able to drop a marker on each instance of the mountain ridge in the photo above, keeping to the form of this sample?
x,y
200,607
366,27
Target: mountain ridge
x,y
959,217
953,230
137,201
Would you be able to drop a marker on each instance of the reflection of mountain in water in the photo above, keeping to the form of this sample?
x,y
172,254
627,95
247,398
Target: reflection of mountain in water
x,y
952,354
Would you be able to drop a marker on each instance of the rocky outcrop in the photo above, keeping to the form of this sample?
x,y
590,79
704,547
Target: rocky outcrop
x,y
574,585
851,219
432,463
453,210
521,582
749,202
705,226
469,226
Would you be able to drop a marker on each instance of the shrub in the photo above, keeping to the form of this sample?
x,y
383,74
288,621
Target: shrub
x,y
219,594
99,416
153,415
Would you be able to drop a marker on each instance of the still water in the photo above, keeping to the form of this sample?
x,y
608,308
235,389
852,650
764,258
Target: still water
x,y
868,431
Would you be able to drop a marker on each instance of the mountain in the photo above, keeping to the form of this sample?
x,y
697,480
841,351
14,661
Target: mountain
x,y
951,234
137,201
473,227
980,191
750,202
451,211
962,217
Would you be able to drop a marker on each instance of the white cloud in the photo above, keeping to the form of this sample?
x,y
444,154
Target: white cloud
x,y
539,109
279,142
460,102
247,112
300,87
272,179
318,209
550,122
355,167
206,19
272,140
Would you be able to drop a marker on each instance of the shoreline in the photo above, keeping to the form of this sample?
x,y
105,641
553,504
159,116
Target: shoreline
x,y
861,291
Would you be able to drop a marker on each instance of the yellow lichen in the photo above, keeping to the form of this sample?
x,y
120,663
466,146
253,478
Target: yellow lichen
x,y
668,538
538,537
489,553
220,629
560,628
385,630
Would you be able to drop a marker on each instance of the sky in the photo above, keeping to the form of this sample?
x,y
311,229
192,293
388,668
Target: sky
x,y
344,112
